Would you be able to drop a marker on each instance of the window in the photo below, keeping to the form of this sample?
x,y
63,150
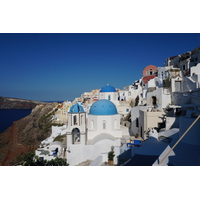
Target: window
x,y
109,97
75,120
115,124
154,100
177,86
76,136
127,110
104,124
151,72
92,124
137,122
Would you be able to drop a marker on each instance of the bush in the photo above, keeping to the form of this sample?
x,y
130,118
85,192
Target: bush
x,y
111,153
57,162
59,138
31,159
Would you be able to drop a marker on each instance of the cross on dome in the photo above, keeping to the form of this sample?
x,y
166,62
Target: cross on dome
x,y
108,88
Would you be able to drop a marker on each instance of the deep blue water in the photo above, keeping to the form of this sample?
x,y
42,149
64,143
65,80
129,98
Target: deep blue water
x,y
53,101
8,116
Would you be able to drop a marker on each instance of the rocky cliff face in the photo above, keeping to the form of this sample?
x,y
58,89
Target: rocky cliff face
x,y
13,103
26,134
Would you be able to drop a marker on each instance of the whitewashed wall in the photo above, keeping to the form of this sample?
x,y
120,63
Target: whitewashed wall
x,y
163,100
105,95
181,98
112,125
80,153
134,115
58,130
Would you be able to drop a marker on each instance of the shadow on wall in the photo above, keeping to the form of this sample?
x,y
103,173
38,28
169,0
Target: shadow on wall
x,y
131,132
176,123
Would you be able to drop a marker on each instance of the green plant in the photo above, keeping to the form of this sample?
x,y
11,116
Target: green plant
x,y
57,124
57,162
111,154
167,83
47,127
59,138
31,159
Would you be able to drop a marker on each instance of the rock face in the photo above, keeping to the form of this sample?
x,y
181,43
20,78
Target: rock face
x,y
13,103
26,134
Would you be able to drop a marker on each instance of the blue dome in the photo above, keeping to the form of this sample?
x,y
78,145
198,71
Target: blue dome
x,y
103,107
108,88
76,108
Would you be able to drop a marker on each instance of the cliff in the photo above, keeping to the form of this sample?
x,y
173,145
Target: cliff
x,y
14,103
26,134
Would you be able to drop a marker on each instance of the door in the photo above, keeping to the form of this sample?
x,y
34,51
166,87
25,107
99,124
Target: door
x,y
177,86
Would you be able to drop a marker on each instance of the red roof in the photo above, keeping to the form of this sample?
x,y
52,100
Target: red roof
x,y
147,78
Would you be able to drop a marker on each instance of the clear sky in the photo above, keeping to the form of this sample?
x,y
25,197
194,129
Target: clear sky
x,y
54,67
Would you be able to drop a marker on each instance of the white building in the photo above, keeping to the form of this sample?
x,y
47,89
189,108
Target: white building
x,y
132,92
103,131
135,115
110,93
76,129
103,118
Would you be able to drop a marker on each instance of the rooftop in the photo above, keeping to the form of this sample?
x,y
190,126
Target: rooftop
x,y
103,107
108,88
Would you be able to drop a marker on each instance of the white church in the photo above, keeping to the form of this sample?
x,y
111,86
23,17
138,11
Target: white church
x,y
90,135
92,139
110,93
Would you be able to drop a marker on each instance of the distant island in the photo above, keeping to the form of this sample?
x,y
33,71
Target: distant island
x,y
14,103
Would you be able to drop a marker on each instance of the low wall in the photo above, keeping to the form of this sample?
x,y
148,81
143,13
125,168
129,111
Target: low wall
x,y
79,153
97,162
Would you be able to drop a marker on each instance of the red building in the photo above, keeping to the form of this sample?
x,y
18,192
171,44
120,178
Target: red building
x,y
149,73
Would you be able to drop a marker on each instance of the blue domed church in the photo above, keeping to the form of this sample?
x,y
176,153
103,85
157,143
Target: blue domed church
x,y
94,141
108,92
76,129
103,118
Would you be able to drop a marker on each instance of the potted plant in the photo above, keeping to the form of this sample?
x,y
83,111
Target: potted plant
x,y
111,156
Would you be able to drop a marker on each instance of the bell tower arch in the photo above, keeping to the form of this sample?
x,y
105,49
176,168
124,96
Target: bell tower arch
x,y
76,127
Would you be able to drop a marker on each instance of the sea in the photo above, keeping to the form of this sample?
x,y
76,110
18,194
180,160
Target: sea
x,y
8,116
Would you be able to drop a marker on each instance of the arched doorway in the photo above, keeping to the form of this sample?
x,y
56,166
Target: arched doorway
x,y
76,136
154,101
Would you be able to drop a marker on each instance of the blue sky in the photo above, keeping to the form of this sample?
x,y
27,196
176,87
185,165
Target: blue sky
x,y
57,67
